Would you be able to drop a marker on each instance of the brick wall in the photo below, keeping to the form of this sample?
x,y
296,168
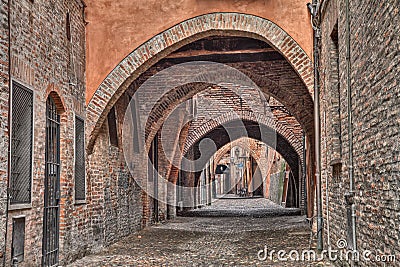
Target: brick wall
x,y
375,92
116,199
4,136
337,184
43,59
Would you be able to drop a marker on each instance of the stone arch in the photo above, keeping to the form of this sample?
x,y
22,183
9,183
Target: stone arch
x,y
183,93
218,135
53,92
250,145
223,150
235,24
269,122
283,147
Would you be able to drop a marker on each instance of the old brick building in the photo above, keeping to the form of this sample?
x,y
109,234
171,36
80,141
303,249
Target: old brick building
x,y
75,177
43,88
365,62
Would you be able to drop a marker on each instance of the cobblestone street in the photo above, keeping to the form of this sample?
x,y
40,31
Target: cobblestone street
x,y
212,241
199,133
232,206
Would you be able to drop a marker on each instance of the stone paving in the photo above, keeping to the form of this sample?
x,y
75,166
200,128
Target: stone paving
x,y
211,241
230,206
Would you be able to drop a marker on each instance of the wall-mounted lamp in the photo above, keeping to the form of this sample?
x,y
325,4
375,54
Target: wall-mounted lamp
x,y
311,8
314,9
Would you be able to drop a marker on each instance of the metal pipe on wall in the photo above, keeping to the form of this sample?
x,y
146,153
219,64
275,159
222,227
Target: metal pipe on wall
x,y
155,178
304,174
314,10
318,147
350,195
328,234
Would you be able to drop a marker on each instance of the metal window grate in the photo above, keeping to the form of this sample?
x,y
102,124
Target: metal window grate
x,y
52,187
21,144
112,127
79,159
18,240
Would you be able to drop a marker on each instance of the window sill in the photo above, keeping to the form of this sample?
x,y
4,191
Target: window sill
x,y
80,202
12,207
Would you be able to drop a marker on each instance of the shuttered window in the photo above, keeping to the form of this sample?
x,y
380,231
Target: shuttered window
x,y
21,144
80,183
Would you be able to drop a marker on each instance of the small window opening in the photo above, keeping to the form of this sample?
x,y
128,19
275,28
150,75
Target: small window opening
x,y
18,240
334,80
80,183
68,26
112,128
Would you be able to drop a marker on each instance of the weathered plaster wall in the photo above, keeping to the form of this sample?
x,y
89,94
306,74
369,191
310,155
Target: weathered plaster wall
x,y
116,28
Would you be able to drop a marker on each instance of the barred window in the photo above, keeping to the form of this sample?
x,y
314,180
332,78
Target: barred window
x,y
80,183
21,144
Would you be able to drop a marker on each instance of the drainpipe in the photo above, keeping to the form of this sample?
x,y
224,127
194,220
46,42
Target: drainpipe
x,y
349,196
314,10
304,173
155,178
328,233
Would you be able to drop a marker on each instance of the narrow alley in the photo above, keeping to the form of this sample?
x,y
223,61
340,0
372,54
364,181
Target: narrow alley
x,y
200,240
199,133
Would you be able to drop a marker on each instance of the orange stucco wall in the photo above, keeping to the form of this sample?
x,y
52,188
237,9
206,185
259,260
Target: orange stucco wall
x,y
117,27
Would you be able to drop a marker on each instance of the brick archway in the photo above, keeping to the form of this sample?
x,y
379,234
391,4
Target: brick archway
x,y
180,94
220,138
233,24
269,122
239,142
54,92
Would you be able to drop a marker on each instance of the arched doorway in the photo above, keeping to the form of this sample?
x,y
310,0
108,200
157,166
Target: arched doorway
x,y
51,216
